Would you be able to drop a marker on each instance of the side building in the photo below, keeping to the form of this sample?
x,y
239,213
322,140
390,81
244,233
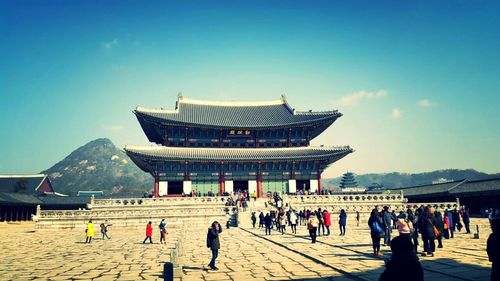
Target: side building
x,y
217,147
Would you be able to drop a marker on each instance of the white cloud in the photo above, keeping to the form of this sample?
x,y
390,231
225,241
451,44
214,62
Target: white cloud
x,y
114,129
425,103
110,44
396,113
360,96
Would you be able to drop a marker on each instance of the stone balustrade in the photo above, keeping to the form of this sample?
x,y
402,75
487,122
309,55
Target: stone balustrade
x,y
164,201
346,198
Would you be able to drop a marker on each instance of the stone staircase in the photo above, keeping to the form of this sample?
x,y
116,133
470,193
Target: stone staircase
x,y
137,212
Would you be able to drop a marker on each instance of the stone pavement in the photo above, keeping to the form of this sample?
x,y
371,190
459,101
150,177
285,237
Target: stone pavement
x,y
246,254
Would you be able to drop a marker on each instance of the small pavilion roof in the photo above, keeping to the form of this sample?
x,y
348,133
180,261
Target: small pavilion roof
x,y
235,114
236,154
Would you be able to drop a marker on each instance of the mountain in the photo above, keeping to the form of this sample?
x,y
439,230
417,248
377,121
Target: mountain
x,y
99,165
396,180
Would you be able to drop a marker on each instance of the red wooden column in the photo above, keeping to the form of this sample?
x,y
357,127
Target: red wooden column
x,y
259,182
319,182
222,188
156,189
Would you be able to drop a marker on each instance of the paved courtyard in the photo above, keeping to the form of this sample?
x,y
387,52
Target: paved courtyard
x,y
246,254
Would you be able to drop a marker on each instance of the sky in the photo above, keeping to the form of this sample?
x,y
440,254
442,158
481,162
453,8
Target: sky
x,y
418,82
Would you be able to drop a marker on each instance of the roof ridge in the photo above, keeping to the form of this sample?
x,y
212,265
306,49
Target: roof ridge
x,y
158,147
458,184
9,176
232,102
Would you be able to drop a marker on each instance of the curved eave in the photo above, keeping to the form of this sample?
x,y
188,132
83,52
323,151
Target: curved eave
x,y
236,154
320,118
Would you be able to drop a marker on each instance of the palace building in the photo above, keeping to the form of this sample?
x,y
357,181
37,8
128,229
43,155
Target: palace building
x,y
214,147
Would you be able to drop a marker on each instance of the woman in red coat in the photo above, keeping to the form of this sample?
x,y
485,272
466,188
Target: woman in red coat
x,y
149,233
328,222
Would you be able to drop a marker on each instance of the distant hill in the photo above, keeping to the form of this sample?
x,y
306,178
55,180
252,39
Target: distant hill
x,y
99,165
396,180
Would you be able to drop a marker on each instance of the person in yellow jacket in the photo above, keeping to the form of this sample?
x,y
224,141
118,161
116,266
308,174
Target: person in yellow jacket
x,y
89,231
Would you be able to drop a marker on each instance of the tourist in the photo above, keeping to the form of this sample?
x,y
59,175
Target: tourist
x,y
456,220
213,242
414,221
312,225
163,231
321,222
327,221
451,226
376,230
493,248
254,219
386,225
104,229
404,263
228,220
358,218
428,224
149,233
466,219
293,221
89,231
440,227
261,220
282,222
342,222
404,226
268,222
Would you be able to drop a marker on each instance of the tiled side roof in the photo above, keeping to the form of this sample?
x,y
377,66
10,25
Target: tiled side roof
x,y
430,188
235,154
260,114
478,186
19,198
27,184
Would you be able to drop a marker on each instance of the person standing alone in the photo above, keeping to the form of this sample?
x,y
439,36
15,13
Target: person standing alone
x,y
312,225
213,242
149,233
342,222
89,231
163,231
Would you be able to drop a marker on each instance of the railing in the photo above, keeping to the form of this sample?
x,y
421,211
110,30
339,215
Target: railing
x,y
345,198
158,201
120,213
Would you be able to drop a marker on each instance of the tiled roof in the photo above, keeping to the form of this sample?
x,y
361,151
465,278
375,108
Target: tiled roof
x,y
12,198
27,184
478,186
236,154
430,188
258,114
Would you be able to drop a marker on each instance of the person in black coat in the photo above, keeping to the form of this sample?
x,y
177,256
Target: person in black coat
x,y
261,220
493,248
428,222
254,219
466,219
404,263
440,228
375,219
386,220
268,222
456,220
213,242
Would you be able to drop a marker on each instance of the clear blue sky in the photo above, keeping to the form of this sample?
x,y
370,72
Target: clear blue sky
x,y
418,81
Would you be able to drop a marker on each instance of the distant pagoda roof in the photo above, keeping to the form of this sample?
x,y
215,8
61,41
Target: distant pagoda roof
x,y
236,154
235,114
348,181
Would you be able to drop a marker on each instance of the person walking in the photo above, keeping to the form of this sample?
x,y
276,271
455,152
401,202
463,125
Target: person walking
x,y
321,223
90,232
213,242
163,231
358,218
104,229
293,221
404,263
282,221
440,227
312,225
386,224
466,219
414,221
254,219
327,221
376,230
342,222
228,220
452,222
428,232
261,220
149,233
446,226
268,222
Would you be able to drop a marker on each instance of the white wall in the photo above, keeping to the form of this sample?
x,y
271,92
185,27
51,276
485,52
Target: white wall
x,y
163,188
228,186
186,187
292,186
252,186
314,185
